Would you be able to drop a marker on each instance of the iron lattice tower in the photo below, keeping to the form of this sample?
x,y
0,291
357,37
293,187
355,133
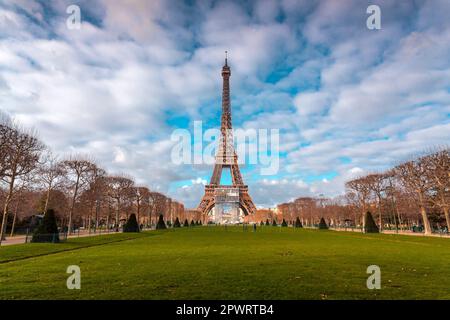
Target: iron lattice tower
x,y
226,157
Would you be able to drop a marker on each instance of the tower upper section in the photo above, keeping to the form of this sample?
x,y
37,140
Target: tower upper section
x,y
226,107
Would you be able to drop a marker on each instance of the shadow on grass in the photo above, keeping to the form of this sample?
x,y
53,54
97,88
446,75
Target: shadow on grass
x,y
32,250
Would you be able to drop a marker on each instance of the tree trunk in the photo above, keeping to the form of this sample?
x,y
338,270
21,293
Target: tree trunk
x,y
16,209
423,212
117,215
364,219
380,219
47,198
445,208
137,213
73,205
400,219
447,218
6,209
395,221
97,209
91,210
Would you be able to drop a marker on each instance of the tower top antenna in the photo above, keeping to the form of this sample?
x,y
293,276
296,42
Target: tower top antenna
x,y
226,58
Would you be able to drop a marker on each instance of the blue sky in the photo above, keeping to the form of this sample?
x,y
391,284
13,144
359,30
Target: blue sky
x,y
347,100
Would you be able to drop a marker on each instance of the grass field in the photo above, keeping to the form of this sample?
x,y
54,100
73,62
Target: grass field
x,y
214,263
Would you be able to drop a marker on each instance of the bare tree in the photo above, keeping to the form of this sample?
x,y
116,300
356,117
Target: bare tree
x,y
141,196
158,203
413,176
6,134
100,192
306,207
119,189
23,150
392,191
23,186
50,173
94,194
79,171
438,177
361,189
377,184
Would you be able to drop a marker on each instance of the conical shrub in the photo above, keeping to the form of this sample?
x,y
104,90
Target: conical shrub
x,y
284,223
369,224
131,225
192,223
186,223
161,224
267,222
274,223
177,224
298,223
322,224
47,231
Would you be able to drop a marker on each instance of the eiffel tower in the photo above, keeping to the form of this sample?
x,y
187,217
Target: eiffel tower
x,y
226,158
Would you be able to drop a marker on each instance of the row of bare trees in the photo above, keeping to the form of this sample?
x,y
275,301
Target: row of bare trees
x,y
33,180
337,211
415,192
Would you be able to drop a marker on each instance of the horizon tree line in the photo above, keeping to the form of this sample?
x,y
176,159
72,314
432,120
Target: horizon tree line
x,y
412,193
33,180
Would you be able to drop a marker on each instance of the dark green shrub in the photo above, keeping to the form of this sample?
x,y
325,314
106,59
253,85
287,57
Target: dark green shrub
x,y
131,225
177,224
47,231
369,224
186,223
161,225
267,222
192,223
274,223
298,223
261,223
322,224
284,223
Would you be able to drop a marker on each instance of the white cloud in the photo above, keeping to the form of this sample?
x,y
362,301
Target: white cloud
x,y
311,102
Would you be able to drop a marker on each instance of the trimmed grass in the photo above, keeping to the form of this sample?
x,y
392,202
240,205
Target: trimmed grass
x,y
19,252
218,263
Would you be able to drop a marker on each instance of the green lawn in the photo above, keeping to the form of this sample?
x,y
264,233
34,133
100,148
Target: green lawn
x,y
214,263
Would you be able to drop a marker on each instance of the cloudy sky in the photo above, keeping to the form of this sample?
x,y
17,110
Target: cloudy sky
x,y
346,99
